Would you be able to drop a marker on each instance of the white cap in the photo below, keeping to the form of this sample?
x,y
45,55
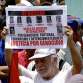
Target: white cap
x,y
40,53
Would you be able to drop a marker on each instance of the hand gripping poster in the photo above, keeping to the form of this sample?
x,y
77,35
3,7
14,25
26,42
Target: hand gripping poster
x,y
36,27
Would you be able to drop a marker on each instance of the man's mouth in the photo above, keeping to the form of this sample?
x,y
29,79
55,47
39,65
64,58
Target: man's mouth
x,y
41,69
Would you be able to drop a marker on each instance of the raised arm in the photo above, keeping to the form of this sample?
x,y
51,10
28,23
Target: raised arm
x,y
76,59
8,56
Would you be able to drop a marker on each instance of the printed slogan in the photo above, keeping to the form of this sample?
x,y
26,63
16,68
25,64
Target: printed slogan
x,y
36,27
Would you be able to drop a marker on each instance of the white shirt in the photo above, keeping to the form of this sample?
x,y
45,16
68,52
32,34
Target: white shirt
x,y
61,77
24,79
78,78
0,81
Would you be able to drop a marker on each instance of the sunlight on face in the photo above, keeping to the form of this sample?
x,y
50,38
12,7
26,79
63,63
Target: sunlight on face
x,y
44,65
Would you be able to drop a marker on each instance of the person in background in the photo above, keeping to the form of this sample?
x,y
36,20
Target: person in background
x,y
3,65
2,7
16,56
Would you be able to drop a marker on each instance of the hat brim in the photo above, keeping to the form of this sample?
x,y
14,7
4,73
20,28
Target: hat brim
x,y
38,56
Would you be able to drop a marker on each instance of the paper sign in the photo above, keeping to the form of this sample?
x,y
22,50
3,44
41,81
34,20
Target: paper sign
x,y
36,27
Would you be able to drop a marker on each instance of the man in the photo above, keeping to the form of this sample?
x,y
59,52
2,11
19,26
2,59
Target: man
x,y
46,63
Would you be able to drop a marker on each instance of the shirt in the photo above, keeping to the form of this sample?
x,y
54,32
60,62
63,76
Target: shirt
x,y
60,77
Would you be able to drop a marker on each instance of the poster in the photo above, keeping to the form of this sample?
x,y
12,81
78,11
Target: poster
x,y
36,27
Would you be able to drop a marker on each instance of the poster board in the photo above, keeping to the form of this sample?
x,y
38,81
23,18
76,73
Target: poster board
x,y
36,27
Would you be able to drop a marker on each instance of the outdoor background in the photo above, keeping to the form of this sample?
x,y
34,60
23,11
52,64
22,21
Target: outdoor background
x,y
75,7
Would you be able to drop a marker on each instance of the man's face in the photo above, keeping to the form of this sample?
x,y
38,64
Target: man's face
x,y
44,65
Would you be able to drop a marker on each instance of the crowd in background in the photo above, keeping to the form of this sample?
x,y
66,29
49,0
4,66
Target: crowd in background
x,y
9,59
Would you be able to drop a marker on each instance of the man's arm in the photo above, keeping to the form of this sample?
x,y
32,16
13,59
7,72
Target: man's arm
x,y
3,72
8,56
77,63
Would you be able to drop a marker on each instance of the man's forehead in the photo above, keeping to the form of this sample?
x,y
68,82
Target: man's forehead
x,y
43,58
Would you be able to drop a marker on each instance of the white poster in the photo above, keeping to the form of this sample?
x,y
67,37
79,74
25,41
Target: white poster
x,y
36,27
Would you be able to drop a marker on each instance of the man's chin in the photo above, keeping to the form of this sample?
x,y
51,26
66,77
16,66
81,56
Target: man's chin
x,y
43,74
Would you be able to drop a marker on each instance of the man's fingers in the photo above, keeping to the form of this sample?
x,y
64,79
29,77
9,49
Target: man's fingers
x,y
68,31
67,27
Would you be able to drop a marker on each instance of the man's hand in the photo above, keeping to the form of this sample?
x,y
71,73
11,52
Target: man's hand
x,y
69,33
4,33
3,71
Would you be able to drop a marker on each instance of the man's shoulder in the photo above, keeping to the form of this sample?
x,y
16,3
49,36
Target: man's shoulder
x,y
66,67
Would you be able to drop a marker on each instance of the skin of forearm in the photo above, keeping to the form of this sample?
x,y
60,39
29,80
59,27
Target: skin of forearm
x,y
4,69
8,56
3,75
77,63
